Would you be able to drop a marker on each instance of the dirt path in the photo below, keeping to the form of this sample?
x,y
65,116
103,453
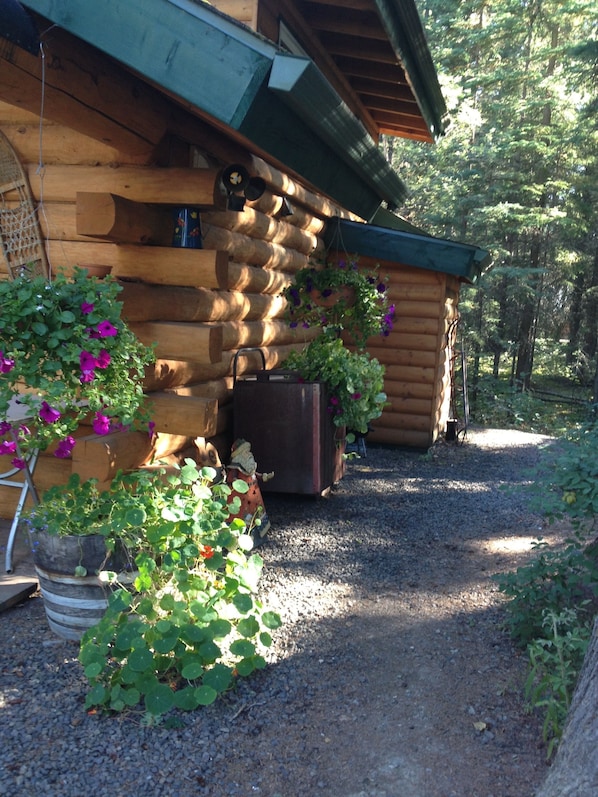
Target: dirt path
x,y
391,676
414,689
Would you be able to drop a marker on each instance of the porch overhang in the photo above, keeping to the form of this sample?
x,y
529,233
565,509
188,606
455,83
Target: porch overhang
x,y
411,249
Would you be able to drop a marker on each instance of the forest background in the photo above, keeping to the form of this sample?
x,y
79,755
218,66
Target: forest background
x,y
517,174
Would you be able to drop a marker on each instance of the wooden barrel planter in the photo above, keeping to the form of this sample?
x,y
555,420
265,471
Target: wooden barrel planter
x,y
73,603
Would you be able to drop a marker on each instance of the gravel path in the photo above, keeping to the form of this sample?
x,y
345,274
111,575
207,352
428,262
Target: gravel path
x,y
390,678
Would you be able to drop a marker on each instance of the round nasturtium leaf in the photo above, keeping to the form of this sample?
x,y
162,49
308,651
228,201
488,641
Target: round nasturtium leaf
x,y
242,647
219,677
205,695
159,699
192,671
141,659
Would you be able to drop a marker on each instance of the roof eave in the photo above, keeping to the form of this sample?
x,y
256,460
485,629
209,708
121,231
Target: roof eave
x,y
407,37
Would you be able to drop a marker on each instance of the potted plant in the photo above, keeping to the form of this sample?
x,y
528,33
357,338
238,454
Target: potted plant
x,y
340,296
191,623
65,354
83,539
354,379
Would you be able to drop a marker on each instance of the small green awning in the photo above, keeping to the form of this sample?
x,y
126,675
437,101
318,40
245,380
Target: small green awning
x,y
411,249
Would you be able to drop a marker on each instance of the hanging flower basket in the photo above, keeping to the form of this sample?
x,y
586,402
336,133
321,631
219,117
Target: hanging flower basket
x,y
331,297
340,297
66,355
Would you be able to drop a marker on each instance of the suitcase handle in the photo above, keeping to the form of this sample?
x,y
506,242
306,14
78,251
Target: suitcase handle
x,y
246,351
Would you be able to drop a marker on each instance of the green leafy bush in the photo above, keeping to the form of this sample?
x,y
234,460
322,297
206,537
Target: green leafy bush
x,y
556,658
192,623
554,598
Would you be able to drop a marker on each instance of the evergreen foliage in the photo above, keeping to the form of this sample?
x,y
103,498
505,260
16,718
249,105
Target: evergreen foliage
x,y
516,173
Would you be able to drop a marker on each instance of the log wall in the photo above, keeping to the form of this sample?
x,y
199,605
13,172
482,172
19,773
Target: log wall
x,y
417,354
117,157
100,206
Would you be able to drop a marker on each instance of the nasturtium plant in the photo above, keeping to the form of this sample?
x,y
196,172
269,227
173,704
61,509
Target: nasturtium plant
x,y
192,622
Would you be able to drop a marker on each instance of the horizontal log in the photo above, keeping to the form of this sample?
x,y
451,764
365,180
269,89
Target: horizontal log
x,y
155,264
201,343
252,251
61,145
183,415
241,10
409,292
408,308
405,420
101,456
15,115
383,348
219,389
240,334
409,406
416,390
258,225
177,373
22,84
409,325
399,437
246,278
282,184
414,374
401,274
271,204
422,359
142,302
109,216
161,185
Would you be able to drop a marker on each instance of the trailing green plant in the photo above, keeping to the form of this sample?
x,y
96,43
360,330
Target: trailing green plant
x,y
192,623
341,296
355,380
556,659
65,354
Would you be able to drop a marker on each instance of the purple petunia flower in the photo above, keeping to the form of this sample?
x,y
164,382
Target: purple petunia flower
x,y
101,423
65,447
18,463
103,359
106,330
87,308
356,396
6,363
5,427
87,361
48,414
8,447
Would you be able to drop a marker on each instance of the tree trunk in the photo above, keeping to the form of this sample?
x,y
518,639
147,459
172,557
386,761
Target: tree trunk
x,y
574,772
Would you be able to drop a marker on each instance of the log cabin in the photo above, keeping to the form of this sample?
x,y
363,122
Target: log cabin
x,y
264,118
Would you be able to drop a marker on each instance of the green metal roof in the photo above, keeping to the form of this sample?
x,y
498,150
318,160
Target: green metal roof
x,y
421,251
244,81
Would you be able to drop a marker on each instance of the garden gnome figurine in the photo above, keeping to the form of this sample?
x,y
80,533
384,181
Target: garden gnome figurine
x,y
243,466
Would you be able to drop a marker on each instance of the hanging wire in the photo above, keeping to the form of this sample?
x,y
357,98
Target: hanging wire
x,y
41,169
